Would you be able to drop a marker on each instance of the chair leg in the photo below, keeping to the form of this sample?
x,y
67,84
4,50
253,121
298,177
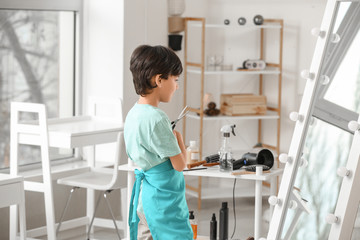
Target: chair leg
x,y
111,212
93,217
65,209
50,211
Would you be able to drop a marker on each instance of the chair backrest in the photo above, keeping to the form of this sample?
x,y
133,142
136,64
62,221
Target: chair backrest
x,y
109,108
118,153
106,107
28,132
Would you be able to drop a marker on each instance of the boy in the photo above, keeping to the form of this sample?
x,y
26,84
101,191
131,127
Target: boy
x,y
158,206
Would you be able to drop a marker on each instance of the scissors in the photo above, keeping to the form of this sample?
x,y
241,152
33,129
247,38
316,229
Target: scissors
x,y
181,115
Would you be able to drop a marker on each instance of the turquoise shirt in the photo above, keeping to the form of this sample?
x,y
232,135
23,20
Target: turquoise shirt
x,y
149,137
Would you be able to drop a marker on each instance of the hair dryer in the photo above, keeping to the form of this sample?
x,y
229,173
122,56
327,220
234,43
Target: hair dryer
x,y
264,157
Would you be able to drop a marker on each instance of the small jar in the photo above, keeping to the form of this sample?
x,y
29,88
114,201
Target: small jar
x,y
192,153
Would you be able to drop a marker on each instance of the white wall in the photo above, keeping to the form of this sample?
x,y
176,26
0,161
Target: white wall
x,y
103,48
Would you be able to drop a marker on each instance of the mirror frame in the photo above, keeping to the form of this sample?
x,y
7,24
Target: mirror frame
x,y
306,111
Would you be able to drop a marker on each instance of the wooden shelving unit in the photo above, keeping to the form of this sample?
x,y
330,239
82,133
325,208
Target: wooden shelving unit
x,y
273,113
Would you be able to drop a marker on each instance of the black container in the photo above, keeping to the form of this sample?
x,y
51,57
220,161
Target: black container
x,y
175,41
224,222
213,227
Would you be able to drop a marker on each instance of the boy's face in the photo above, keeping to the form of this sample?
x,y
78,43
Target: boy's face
x,y
168,88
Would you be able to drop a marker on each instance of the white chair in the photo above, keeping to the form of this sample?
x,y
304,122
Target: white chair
x,y
35,134
12,193
101,179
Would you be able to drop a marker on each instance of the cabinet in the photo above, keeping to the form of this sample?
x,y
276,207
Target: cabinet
x,y
192,68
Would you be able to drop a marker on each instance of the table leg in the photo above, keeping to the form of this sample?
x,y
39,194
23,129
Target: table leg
x,y
258,204
273,187
13,221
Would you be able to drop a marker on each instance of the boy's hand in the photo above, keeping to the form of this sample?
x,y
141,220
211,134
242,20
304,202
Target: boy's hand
x,y
179,161
177,134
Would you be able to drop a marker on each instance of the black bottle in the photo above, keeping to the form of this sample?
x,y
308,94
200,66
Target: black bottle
x,y
213,227
224,222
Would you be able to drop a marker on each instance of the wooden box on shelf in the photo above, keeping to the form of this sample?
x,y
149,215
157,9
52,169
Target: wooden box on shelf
x,y
242,104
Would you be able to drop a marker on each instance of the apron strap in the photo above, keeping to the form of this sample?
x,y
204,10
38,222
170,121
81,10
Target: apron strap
x,y
133,217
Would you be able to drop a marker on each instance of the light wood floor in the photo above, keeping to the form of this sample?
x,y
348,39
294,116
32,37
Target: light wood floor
x,y
244,220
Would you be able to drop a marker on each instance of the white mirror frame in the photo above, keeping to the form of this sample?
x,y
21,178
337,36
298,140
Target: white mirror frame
x,y
301,127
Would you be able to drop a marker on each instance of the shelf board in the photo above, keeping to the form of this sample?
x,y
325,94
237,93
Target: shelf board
x,y
268,70
268,115
237,26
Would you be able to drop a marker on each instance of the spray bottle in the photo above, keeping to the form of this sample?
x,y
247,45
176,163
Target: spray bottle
x,y
226,160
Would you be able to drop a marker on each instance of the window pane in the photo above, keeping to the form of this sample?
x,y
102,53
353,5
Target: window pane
x,y
345,87
31,60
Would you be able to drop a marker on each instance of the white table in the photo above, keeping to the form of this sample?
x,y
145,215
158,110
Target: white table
x,y
214,172
77,132
74,132
12,192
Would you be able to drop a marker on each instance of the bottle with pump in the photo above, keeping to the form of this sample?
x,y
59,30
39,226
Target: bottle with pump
x,y
213,227
224,222
192,153
193,224
226,160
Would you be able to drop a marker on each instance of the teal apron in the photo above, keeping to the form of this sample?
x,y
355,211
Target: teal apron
x,y
164,203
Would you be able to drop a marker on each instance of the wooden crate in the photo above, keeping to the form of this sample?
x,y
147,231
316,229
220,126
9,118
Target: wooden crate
x,y
242,104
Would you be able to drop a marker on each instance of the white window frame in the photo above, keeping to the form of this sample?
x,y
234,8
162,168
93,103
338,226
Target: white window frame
x,y
59,5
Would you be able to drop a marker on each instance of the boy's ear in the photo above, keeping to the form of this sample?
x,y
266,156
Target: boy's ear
x,y
158,80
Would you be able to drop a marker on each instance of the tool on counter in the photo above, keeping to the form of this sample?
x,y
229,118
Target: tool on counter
x,y
211,164
212,158
209,161
181,115
194,169
192,165
226,160
264,157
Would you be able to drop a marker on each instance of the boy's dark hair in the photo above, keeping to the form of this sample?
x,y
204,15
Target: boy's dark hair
x,y
148,61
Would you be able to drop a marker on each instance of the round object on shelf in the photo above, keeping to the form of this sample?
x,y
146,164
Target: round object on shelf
x,y
226,21
212,105
176,7
258,20
242,20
